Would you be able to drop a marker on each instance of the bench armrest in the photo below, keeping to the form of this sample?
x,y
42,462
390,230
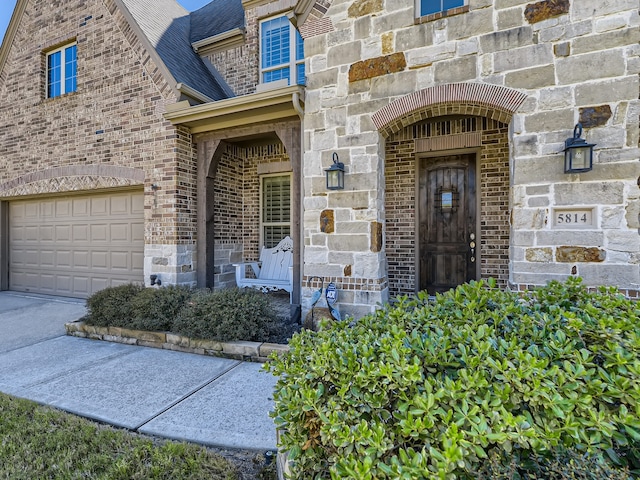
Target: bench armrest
x,y
241,272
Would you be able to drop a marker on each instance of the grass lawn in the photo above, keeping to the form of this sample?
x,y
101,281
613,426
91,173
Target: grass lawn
x,y
44,443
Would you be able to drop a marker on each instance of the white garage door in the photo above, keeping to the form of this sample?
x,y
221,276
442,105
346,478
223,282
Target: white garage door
x,y
74,246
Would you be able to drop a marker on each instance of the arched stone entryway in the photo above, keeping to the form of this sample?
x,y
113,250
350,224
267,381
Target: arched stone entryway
x,y
440,129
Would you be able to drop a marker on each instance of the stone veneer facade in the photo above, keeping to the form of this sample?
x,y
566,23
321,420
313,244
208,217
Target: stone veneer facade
x,y
376,70
108,134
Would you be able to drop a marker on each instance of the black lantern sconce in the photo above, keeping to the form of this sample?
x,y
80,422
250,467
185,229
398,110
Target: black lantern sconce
x,y
578,154
335,174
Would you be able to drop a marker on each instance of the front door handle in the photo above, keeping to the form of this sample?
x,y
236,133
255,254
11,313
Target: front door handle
x,y
472,245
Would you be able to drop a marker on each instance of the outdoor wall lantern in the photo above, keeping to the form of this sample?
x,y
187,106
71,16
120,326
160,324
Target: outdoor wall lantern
x,y
578,154
335,174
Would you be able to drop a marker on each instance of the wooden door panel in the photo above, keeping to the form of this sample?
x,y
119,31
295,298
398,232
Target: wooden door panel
x,y
446,196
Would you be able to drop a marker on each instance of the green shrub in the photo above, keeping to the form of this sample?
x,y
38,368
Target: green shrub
x,y
227,315
561,464
111,307
432,389
155,309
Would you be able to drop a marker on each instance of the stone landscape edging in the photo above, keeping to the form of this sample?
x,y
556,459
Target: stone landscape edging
x,y
246,351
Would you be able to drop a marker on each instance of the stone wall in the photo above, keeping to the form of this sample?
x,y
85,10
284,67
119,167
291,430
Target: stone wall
x,y
565,62
113,120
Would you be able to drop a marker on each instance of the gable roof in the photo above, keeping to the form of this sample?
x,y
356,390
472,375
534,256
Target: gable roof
x,y
215,18
164,27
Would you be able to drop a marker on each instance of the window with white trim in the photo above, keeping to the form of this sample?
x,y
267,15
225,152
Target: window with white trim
x,y
281,52
62,69
428,7
275,211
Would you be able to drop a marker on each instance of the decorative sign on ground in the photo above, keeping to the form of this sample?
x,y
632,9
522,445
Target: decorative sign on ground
x,y
573,218
331,293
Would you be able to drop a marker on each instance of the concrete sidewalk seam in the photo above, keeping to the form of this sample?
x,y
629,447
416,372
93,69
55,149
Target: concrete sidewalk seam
x,y
186,396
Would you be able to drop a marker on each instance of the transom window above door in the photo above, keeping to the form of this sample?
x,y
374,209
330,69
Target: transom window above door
x,y
62,69
281,52
429,7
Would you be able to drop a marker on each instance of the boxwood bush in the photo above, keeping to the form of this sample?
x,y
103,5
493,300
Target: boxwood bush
x,y
111,307
435,388
229,314
222,315
156,309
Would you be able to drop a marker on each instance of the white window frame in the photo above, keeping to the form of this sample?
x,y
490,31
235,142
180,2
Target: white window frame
x,y
63,78
442,9
263,223
293,63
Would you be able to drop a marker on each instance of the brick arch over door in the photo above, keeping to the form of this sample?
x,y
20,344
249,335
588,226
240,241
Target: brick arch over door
x,y
416,123
478,99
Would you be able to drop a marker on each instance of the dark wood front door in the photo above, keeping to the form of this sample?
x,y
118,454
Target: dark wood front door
x,y
447,238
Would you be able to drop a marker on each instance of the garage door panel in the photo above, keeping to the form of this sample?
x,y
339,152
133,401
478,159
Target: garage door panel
x,y
46,234
120,261
63,233
76,245
32,233
47,209
120,232
80,233
137,261
81,207
63,259
99,233
137,205
47,258
100,207
137,232
119,206
82,286
80,259
63,209
99,260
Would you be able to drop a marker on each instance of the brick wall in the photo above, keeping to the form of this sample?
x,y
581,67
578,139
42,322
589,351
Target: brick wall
x,y
237,195
113,119
400,205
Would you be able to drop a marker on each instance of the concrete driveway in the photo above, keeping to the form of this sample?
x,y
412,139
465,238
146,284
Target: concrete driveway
x,y
27,319
183,396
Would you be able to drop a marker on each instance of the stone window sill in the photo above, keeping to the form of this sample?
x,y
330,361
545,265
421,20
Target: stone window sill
x,y
447,13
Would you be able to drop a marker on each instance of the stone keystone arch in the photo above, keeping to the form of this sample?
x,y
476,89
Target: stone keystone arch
x,y
480,99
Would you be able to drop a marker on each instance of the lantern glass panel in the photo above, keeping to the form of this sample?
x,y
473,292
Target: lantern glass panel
x,y
335,179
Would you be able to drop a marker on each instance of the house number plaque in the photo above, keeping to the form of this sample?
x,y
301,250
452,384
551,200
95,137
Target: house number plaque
x,y
573,218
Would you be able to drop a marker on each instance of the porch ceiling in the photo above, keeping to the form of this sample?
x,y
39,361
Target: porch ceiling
x,y
262,107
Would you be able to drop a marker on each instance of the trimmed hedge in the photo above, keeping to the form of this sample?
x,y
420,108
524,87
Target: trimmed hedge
x,y
435,388
221,315
227,315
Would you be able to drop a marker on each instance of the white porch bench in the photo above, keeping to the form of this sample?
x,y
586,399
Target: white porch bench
x,y
273,272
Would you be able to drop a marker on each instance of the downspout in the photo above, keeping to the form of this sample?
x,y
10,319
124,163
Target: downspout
x,y
295,100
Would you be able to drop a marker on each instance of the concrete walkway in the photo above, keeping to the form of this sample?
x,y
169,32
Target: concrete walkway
x,y
182,396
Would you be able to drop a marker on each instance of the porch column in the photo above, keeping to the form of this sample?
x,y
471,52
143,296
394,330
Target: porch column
x,y
290,136
209,153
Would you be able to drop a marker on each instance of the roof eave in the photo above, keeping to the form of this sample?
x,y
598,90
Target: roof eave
x,y
193,93
265,106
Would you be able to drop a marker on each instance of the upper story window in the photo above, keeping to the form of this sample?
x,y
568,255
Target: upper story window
x,y
62,68
281,52
429,7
